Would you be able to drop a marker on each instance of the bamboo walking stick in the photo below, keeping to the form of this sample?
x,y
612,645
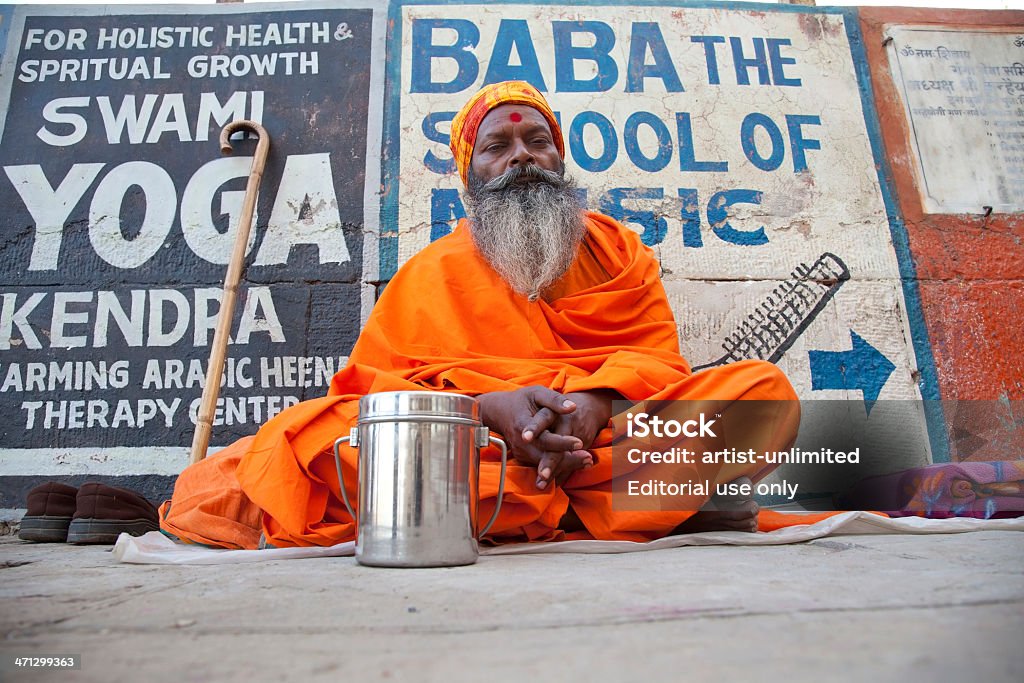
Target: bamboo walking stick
x,y
218,352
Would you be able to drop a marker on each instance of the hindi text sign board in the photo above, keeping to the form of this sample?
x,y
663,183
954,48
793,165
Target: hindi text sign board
x,y
963,92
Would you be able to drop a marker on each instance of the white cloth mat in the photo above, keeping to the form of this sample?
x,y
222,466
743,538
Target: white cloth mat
x,y
155,548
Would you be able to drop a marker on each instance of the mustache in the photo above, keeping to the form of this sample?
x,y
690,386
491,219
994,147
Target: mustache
x,y
524,172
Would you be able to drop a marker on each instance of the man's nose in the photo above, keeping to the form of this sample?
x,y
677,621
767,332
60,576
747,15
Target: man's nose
x,y
520,154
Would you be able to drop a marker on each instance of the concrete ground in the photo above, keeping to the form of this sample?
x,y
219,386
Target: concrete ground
x,y
851,608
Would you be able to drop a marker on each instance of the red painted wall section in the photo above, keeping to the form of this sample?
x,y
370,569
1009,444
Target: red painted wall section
x,y
970,267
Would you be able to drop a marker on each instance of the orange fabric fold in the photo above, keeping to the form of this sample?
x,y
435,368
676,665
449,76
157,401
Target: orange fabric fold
x,y
447,321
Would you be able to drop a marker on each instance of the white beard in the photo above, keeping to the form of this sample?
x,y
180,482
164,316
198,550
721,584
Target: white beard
x,y
528,224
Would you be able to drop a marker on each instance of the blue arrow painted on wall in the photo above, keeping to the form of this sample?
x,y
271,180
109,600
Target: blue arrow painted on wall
x,y
862,368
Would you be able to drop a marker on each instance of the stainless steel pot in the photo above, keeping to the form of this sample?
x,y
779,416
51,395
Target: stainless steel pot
x,y
419,468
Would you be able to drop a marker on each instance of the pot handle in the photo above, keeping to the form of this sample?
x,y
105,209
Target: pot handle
x,y
353,439
483,438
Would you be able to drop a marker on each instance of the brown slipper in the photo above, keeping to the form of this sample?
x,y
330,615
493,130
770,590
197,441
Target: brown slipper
x,y
50,508
102,513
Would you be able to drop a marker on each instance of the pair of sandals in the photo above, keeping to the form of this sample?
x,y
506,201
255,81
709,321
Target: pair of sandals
x,y
91,514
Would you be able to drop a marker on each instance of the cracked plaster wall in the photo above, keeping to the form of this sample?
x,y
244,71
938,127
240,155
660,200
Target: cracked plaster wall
x,y
955,337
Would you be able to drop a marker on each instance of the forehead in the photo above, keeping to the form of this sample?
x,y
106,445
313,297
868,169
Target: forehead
x,y
509,114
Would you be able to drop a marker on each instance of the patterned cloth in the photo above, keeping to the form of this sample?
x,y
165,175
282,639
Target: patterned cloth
x,y
467,122
963,489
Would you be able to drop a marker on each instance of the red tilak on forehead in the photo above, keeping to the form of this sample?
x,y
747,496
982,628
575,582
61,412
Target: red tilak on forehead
x,y
515,117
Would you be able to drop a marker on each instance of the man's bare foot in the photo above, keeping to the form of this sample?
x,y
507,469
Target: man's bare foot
x,y
573,460
723,513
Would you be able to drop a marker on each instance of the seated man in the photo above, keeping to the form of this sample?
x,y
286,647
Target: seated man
x,y
545,312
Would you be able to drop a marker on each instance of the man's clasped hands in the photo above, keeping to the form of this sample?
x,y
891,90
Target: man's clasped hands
x,y
548,429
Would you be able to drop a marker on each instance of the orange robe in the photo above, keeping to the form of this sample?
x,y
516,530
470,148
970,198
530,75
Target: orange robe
x,y
448,322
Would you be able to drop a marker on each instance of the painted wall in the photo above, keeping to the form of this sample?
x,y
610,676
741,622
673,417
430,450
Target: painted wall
x,y
761,150
968,266
119,214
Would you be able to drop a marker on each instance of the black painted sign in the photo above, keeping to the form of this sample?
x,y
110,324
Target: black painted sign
x,y
119,216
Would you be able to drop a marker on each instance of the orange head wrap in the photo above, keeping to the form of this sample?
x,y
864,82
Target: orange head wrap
x,y
467,122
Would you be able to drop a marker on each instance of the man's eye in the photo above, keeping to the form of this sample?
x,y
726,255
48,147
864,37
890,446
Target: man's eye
x,y
493,148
